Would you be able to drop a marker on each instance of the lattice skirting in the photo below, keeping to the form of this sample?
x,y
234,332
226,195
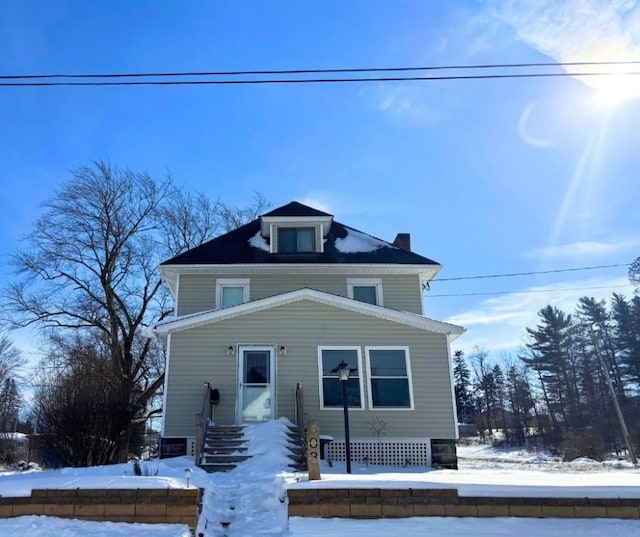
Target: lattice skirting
x,y
386,453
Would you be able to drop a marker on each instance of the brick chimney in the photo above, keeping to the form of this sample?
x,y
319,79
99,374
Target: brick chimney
x,y
403,240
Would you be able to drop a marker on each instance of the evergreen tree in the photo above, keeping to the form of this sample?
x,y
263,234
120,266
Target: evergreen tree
x,y
519,402
462,387
551,349
9,406
626,335
596,323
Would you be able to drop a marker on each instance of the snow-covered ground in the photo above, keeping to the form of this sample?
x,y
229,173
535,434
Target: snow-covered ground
x,y
251,500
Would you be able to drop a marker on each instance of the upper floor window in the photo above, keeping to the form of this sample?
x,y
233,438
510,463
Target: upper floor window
x,y
231,292
367,290
292,240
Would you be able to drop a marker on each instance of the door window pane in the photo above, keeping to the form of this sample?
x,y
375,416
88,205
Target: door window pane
x,y
256,386
256,367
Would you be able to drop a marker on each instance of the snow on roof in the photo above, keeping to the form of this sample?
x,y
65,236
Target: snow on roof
x,y
358,242
258,241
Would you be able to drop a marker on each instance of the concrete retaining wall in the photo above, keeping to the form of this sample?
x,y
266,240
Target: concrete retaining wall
x,y
175,506
383,503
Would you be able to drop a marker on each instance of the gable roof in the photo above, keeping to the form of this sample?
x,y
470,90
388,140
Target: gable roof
x,y
343,244
184,322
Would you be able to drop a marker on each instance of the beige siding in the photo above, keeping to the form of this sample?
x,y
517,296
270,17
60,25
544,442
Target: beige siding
x,y
197,292
200,354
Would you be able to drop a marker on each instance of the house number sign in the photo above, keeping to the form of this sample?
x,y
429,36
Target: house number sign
x,y
313,449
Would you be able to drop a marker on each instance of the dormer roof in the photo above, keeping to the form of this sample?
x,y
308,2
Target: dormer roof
x,y
295,213
296,208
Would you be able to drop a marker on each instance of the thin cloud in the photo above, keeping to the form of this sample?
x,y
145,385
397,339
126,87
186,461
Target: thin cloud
x,y
579,30
583,249
499,323
409,104
342,206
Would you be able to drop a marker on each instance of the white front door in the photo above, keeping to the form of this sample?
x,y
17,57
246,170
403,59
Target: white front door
x,y
256,384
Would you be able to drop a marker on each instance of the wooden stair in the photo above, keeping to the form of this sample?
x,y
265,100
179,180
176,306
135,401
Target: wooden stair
x,y
225,447
297,453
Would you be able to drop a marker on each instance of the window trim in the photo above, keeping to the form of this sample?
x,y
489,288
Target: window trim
x,y
321,377
366,282
231,282
407,362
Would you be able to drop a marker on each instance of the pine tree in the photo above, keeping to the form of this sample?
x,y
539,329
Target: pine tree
x,y
519,402
462,387
9,406
552,357
626,335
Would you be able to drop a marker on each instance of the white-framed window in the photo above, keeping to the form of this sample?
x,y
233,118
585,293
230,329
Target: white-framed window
x,y
367,290
389,374
231,292
296,240
330,383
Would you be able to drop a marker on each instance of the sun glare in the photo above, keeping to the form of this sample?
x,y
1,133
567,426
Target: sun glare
x,y
613,90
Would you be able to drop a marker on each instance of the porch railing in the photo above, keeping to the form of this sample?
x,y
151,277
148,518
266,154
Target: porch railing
x,y
202,421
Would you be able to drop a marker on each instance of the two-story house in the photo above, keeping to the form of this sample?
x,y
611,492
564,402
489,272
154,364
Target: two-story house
x,y
283,300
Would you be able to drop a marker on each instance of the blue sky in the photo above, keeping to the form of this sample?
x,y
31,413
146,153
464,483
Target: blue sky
x,y
489,176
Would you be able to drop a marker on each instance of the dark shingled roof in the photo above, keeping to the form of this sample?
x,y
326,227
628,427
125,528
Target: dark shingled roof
x,y
296,209
234,247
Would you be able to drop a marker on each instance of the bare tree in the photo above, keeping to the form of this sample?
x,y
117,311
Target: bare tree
x,y
10,358
90,267
76,408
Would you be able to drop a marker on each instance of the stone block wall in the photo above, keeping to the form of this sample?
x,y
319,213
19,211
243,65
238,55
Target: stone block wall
x,y
388,503
168,506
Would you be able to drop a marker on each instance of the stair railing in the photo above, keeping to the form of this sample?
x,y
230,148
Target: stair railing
x,y
299,410
301,421
202,421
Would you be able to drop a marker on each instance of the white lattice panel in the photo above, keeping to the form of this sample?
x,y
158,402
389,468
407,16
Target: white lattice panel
x,y
388,453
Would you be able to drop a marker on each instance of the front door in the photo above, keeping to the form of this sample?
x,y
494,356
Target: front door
x,y
256,387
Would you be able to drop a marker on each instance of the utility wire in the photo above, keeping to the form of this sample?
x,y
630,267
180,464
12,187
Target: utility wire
x,y
511,274
311,80
325,71
556,290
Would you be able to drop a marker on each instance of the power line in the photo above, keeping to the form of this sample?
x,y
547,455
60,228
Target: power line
x,y
228,82
511,274
556,290
325,71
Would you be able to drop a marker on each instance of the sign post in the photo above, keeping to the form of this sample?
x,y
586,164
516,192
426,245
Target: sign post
x,y
313,449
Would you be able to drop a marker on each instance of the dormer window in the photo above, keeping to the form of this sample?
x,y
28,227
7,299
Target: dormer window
x,y
295,229
296,240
